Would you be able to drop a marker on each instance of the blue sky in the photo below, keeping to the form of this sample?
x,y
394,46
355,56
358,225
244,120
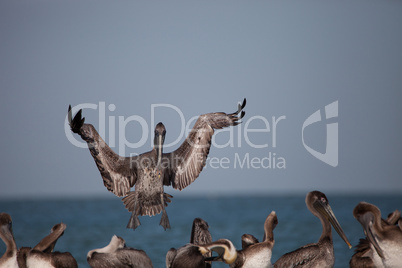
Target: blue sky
x,y
143,62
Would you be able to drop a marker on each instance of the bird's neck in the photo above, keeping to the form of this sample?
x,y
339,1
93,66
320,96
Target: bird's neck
x,y
326,230
268,233
11,246
158,150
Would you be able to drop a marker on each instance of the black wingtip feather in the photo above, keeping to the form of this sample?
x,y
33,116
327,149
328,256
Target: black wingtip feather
x,y
240,107
77,122
244,103
69,114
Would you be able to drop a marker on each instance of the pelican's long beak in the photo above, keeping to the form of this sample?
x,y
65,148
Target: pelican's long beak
x,y
367,222
159,148
326,210
214,258
221,258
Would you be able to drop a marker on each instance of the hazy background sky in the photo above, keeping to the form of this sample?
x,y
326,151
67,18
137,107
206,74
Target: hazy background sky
x,y
288,58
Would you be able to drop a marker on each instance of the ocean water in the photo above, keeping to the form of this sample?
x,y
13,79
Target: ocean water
x,y
92,222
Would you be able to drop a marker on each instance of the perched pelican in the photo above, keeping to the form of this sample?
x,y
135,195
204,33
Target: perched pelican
x,y
365,255
192,256
256,254
116,254
150,171
383,239
42,255
320,254
9,258
199,232
200,235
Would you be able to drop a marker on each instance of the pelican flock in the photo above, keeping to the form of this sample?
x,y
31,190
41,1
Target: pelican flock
x,y
149,172
381,247
153,170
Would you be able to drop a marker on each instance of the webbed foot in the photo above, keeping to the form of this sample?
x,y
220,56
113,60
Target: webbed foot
x,y
165,221
134,222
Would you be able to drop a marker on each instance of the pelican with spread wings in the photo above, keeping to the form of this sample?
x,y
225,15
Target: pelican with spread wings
x,y
151,171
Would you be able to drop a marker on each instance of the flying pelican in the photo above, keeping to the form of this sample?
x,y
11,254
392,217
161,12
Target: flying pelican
x,y
192,256
200,235
365,255
42,255
150,171
9,258
256,254
116,254
320,254
384,240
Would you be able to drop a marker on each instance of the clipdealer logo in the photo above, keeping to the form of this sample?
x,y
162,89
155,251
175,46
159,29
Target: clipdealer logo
x,y
244,131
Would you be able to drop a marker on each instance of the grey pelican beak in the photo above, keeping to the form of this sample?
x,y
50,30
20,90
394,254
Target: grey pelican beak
x,y
367,222
215,258
158,143
221,259
159,138
325,210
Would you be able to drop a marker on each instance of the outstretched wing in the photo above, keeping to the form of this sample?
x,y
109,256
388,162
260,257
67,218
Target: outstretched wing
x,y
183,165
118,173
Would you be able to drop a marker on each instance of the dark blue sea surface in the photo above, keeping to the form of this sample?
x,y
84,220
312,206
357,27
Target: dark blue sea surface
x,y
92,222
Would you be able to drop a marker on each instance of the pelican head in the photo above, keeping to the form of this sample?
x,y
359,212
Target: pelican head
x,y
160,132
116,243
369,217
317,203
6,229
60,227
270,223
226,251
